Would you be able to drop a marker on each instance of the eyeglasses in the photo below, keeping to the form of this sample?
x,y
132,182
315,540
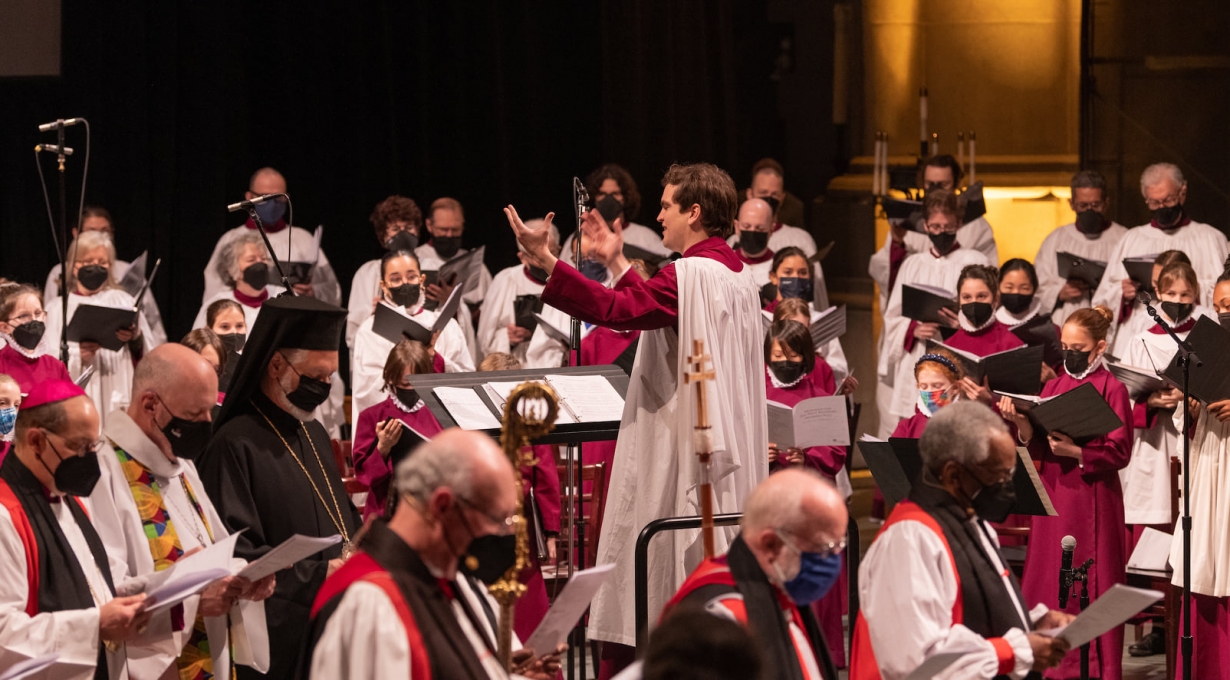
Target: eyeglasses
x,y
825,550
89,263
409,278
1089,205
91,447
1168,202
506,525
27,318
940,226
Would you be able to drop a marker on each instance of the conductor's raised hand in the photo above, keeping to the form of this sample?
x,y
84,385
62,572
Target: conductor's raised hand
x,y
535,242
606,241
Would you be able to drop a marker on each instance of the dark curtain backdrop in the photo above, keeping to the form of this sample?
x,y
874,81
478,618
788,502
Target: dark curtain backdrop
x,y
489,102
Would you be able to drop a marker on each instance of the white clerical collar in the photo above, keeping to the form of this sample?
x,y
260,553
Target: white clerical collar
x,y
408,409
1012,320
27,353
971,328
1093,366
779,384
124,432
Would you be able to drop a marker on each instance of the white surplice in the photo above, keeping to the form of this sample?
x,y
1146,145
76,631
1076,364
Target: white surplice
x,y
365,287
290,245
1210,506
111,384
1204,245
786,236
498,312
118,522
475,290
371,352
249,313
149,306
896,364
655,470
1069,239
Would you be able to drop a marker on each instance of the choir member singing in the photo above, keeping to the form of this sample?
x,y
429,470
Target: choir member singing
x,y
151,511
934,580
706,295
90,281
506,324
398,609
269,467
96,218
398,223
1210,496
243,267
1165,193
446,222
1093,236
768,185
290,243
382,426
979,331
614,182
940,382
752,227
791,303
904,340
57,595
1082,481
24,356
786,556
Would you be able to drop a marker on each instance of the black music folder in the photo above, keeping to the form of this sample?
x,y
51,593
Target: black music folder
x,y
1210,381
1140,270
923,303
394,326
1076,267
1041,332
1140,382
1017,370
1082,413
525,311
93,323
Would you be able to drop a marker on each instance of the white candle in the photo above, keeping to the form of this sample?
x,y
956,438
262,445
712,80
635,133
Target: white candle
x,y
884,165
922,114
935,143
875,166
972,166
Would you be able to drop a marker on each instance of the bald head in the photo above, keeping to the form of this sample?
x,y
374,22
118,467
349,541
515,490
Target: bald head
x,y
756,211
172,381
798,501
267,181
470,464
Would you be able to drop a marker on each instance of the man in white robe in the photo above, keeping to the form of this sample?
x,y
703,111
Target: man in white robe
x,y
147,457
497,326
290,243
1093,236
706,295
1165,193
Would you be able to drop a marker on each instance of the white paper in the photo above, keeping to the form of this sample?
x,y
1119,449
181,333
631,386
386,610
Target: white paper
x,y
284,556
568,608
589,398
467,408
27,668
215,557
934,665
183,586
819,421
1152,552
1114,608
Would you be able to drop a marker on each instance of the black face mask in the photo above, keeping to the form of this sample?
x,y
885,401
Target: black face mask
x,y
188,437
406,294
233,341
309,394
92,277
402,240
977,313
774,204
1177,311
1016,302
76,475
1090,222
29,334
446,246
610,208
943,241
488,558
753,242
1224,319
407,397
794,287
994,503
786,371
256,275
1168,217
537,273
1076,362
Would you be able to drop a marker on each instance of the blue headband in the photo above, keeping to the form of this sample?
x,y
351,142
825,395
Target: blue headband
x,y
939,359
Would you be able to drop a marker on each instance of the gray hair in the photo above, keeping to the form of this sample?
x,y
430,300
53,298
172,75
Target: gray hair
x,y
231,252
1089,179
779,505
553,243
436,463
84,243
1154,174
961,433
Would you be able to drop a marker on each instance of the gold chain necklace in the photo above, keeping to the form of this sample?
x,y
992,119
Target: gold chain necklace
x,y
348,548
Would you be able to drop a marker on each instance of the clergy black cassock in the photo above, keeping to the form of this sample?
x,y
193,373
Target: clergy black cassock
x,y
256,483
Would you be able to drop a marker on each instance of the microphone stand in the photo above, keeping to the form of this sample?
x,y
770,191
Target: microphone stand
x,y
1186,357
64,242
1081,574
576,509
260,226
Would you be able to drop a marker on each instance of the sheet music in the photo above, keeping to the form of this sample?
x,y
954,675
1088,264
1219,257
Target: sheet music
x,y
1115,607
27,668
183,586
589,398
568,608
467,408
499,391
1152,552
284,556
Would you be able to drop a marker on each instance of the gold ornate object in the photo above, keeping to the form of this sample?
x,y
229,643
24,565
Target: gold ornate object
x,y
529,413
698,373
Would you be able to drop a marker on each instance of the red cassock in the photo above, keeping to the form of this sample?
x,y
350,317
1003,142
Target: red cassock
x,y
827,460
912,427
994,338
370,467
1089,503
30,372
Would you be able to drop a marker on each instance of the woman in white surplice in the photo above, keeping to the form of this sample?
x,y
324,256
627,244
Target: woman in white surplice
x,y
402,290
90,282
707,295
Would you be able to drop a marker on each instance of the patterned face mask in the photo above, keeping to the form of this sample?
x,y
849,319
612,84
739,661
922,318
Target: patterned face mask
x,y
934,400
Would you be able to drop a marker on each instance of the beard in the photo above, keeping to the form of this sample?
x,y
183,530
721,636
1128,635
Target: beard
x,y
284,387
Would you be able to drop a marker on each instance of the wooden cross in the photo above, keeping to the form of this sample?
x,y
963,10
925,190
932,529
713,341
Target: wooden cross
x,y
699,372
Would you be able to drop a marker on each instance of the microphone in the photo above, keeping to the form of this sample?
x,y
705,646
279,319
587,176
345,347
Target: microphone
x,y
245,205
55,148
582,196
1144,296
1065,570
62,122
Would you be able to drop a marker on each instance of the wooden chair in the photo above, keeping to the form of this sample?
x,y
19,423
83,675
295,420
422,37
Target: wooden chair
x,y
593,505
342,450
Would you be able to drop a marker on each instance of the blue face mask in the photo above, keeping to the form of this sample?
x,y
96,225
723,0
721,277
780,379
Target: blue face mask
x,y
817,573
8,418
593,270
794,287
271,211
